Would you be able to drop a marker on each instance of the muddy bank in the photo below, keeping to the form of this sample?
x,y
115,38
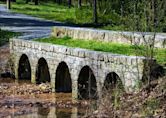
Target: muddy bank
x,y
149,102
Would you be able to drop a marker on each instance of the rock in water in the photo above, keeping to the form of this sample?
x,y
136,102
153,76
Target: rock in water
x,y
45,87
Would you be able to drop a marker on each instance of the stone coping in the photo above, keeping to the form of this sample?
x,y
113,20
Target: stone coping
x,y
111,36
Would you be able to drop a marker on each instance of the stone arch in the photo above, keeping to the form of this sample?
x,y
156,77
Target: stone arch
x,y
63,81
113,81
42,71
87,85
24,69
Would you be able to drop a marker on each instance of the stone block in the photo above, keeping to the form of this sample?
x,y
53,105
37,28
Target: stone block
x,y
68,51
75,52
100,57
81,53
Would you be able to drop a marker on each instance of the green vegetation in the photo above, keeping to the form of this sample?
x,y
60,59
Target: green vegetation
x,y
6,35
53,11
111,15
160,54
149,107
2,2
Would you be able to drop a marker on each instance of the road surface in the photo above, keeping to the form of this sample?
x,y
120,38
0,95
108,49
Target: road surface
x,y
30,27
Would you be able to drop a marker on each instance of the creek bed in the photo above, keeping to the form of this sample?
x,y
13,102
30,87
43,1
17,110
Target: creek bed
x,y
16,101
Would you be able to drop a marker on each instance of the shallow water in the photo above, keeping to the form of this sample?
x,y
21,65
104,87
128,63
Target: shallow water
x,y
44,105
53,112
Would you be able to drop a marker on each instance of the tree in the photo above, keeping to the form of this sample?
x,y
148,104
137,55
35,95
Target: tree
x,y
69,3
9,4
58,1
147,16
95,20
27,1
36,2
79,3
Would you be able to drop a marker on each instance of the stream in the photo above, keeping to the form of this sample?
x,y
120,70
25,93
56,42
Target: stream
x,y
26,100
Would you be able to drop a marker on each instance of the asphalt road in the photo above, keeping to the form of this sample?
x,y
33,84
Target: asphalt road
x,y
30,27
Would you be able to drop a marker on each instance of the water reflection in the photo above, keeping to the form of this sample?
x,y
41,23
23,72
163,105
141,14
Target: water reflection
x,y
43,112
52,112
32,105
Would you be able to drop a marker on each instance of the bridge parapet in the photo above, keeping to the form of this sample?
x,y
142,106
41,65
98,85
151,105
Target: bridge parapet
x,y
134,38
130,69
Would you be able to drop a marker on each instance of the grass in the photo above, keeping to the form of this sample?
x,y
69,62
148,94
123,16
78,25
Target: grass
x,y
53,11
150,106
73,16
6,35
160,54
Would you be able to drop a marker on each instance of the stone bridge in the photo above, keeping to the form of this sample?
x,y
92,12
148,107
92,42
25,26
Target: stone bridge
x,y
75,70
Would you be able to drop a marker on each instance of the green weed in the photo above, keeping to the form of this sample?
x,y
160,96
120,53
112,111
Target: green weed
x,y
6,35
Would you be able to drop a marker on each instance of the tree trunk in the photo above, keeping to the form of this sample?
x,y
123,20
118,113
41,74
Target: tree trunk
x,y
69,3
79,3
9,4
36,2
122,8
27,1
95,11
59,1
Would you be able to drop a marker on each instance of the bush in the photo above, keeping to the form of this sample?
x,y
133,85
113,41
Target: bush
x,y
5,36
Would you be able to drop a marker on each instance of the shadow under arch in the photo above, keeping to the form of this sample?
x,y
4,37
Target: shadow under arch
x,y
63,81
24,69
87,87
42,72
112,82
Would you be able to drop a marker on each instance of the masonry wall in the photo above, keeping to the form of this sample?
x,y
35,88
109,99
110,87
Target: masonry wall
x,y
128,68
111,36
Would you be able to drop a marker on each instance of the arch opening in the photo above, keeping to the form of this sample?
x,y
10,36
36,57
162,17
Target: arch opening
x,y
42,72
63,81
24,69
87,88
113,82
